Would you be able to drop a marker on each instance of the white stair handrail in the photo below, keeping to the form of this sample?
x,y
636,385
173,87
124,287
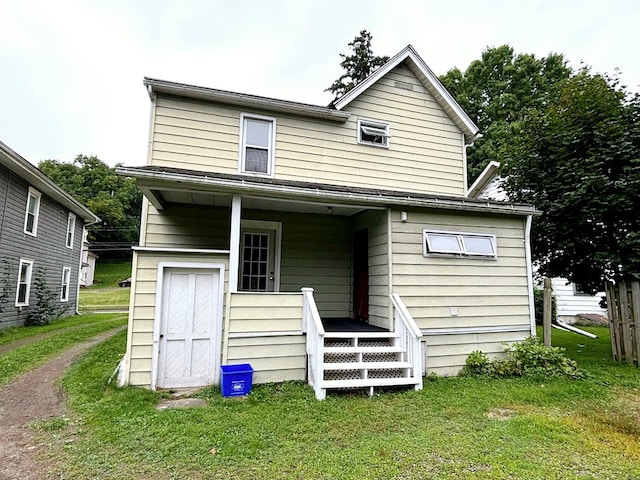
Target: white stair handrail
x,y
312,326
409,335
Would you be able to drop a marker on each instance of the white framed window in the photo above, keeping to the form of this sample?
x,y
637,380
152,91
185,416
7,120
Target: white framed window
x,y
24,283
373,133
71,226
257,144
32,212
462,244
66,282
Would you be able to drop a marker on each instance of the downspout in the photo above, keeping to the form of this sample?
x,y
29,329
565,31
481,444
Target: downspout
x,y
527,250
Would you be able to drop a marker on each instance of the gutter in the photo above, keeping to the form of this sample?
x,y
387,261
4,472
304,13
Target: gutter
x,y
242,186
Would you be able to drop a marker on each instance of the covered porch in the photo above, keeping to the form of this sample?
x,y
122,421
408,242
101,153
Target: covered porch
x,y
307,272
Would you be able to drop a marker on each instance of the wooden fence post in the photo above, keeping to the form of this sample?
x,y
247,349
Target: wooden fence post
x,y
547,311
612,311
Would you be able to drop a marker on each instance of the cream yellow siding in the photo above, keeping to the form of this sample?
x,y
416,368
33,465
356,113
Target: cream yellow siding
x,y
425,152
188,227
315,253
142,311
265,330
448,292
375,221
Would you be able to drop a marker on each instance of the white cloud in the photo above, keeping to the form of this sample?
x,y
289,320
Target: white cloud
x,y
72,69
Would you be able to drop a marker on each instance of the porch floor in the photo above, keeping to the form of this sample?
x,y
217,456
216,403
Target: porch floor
x,y
348,325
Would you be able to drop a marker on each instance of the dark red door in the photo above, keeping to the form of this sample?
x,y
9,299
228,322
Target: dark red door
x,y
361,275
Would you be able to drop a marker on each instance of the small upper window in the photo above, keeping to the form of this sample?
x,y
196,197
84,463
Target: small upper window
x,y
373,133
66,281
257,147
32,212
71,226
460,243
24,283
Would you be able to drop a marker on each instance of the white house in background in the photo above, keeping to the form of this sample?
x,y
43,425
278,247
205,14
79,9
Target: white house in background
x,y
330,244
88,268
570,302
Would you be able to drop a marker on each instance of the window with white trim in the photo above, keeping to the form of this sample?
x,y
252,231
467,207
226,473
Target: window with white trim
x,y
71,226
257,145
32,212
461,244
373,133
66,282
24,283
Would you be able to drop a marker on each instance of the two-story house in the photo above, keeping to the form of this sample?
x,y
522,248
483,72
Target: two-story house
x,y
41,231
333,244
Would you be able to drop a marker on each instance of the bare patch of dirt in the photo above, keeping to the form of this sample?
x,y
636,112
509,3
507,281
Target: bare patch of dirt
x,y
32,397
501,414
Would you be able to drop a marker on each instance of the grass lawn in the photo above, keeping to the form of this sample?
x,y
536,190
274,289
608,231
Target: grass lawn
x,y
104,298
109,273
28,357
454,428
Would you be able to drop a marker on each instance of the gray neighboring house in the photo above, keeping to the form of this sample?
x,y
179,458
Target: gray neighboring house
x,y
41,230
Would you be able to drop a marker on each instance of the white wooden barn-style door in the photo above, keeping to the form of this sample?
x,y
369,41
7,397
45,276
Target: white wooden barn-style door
x,y
190,322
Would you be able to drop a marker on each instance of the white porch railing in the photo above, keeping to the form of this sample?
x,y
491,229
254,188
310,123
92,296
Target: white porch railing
x,y
408,335
312,326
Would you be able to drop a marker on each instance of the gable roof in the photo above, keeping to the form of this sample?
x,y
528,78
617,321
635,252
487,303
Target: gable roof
x,y
32,175
243,99
490,171
429,80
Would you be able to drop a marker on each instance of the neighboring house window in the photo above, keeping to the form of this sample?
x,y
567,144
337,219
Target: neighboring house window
x,y
460,244
33,210
71,224
66,281
257,144
373,133
24,283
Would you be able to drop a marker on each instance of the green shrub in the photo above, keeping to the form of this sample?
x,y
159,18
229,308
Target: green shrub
x,y
529,359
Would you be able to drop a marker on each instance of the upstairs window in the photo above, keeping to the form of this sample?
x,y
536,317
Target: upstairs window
x,y
71,226
24,283
460,244
66,281
373,133
257,144
32,212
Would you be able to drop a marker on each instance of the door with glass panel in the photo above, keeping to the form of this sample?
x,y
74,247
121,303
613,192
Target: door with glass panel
x,y
257,265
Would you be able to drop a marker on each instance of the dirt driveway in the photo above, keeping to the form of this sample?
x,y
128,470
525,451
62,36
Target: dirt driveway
x,y
31,397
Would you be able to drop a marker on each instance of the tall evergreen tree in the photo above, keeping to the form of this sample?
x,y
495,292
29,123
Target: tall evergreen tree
x,y
357,66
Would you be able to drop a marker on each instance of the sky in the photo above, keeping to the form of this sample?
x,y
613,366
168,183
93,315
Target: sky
x,y
71,71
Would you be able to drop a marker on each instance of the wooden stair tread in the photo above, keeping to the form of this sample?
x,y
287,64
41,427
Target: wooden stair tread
x,y
389,349
370,382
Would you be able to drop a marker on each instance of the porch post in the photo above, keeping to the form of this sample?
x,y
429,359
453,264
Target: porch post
x,y
234,243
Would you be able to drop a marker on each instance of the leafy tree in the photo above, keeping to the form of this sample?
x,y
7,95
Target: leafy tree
x,y
497,90
115,199
357,66
577,158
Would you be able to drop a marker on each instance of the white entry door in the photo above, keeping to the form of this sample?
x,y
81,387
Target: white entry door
x,y
189,323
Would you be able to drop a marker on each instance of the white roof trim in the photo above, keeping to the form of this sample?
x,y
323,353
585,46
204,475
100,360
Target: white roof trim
x,y
430,82
44,184
483,179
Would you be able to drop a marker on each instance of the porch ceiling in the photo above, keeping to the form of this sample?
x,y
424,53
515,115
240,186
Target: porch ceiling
x,y
211,199
158,184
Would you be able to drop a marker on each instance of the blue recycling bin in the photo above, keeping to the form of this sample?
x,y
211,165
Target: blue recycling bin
x,y
236,379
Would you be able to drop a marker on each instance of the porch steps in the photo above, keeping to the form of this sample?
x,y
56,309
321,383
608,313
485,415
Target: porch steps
x,y
356,360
